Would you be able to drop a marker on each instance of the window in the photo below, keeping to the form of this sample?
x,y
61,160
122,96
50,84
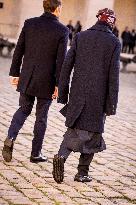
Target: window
x,y
1,5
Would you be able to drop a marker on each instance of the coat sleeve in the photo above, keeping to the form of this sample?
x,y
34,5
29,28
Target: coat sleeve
x,y
66,72
18,55
61,53
113,82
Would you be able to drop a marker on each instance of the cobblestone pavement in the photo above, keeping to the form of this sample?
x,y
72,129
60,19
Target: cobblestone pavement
x,y
113,171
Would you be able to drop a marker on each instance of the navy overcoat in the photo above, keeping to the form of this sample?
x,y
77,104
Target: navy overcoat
x,y
42,47
95,55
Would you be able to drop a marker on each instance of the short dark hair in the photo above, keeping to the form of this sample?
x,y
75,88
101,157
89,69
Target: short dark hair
x,y
51,5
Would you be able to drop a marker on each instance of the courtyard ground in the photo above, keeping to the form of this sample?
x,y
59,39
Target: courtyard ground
x,y
113,171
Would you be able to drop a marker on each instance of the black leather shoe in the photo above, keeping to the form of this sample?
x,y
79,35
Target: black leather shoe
x,y
80,178
58,168
38,159
8,150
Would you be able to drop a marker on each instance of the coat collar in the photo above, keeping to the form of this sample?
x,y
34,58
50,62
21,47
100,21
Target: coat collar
x,y
101,26
49,15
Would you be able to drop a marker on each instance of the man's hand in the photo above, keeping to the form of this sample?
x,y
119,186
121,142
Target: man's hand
x,y
55,94
14,80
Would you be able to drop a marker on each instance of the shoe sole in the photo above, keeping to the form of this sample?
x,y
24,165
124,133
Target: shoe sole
x,y
7,155
36,162
58,169
82,181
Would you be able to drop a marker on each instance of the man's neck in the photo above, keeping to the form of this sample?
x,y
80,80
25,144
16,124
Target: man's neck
x,y
54,13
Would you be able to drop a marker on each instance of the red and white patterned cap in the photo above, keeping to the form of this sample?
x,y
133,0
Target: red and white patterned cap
x,y
107,15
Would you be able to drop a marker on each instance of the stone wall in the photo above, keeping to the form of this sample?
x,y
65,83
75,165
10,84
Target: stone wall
x,y
74,10
10,18
83,10
30,8
93,7
126,14
14,13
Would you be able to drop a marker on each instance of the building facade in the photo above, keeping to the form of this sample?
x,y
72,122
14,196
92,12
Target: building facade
x,y
14,12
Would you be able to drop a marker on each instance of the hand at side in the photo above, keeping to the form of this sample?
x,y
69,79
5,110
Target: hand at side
x,y
14,80
55,94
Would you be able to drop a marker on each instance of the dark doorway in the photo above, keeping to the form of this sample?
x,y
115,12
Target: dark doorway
x,y
1,5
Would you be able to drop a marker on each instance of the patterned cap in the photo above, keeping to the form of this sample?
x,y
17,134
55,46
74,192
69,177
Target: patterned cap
x,y
107,15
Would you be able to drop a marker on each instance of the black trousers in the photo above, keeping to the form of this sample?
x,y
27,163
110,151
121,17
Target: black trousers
x,y
84,160
131,48
26,103
125,47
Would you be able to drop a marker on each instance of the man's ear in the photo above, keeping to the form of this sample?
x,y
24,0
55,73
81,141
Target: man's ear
x,y
58,10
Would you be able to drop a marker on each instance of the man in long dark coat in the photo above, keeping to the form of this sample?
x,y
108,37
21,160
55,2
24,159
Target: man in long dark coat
x,y
71,31
132,42
42,46
125,40
95,55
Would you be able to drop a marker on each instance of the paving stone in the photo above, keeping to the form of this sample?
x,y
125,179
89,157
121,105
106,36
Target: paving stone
x,y
43,199
3,202
113,171
103,201
121,202
83,201
130,193
32,193
22,201
91,194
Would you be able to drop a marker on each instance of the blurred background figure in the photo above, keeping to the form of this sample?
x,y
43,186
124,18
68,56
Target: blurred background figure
x,y
5,43
116,31
71,31
132,42
125,40
1,36
1,44
78,27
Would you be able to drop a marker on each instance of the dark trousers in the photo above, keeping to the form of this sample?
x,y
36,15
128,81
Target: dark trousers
x,y
125,47
131,48
26,103
84,160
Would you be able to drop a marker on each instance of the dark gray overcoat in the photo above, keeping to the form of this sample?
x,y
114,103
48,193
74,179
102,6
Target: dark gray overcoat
x,y
41,50
95,55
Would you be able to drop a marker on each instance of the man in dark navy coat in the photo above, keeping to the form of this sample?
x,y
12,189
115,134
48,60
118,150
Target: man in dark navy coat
x,y
95,55
42,46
